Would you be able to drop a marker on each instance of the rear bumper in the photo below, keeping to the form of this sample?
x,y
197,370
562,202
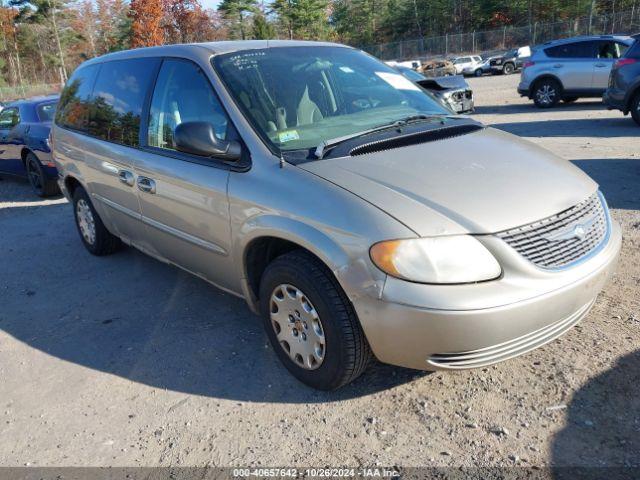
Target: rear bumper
x,y
614,99
441,339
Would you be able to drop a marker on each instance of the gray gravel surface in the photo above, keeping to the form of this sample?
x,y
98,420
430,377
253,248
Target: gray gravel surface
x,y
125,361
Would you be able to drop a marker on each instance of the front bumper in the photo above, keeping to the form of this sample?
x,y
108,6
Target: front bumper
x,y
524,91
415,336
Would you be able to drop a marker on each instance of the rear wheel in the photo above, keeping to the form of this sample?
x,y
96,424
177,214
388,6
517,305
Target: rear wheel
x,y
635,108
546,93
41,184
94,235
508,68
311,323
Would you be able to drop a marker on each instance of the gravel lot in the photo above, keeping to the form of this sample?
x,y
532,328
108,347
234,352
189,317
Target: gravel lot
x,y
125,361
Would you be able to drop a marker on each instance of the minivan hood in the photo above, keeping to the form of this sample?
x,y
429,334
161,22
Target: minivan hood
x,y
482,182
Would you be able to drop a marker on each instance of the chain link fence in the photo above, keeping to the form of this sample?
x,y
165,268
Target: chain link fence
x,y
505,38
8,94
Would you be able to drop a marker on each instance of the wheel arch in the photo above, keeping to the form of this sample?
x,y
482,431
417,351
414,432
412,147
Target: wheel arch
x,y
264,238
546,76
631,94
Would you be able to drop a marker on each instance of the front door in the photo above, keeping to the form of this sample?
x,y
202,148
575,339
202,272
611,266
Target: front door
x,y
183,197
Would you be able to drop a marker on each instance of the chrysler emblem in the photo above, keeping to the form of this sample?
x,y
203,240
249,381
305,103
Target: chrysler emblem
x,y
578,231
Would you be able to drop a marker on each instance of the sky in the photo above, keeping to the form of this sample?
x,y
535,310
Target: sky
x,y
210,3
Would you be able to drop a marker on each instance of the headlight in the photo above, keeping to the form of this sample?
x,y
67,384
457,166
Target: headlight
x,y
455,259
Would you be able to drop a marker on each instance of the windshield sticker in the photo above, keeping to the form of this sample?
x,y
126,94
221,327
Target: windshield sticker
x,y
346,69
397,81
288,135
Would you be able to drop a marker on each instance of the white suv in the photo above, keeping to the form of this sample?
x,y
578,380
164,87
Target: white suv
x,y
466,63
571,68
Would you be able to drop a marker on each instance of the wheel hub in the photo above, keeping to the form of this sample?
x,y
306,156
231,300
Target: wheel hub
x,y
86,221
297,326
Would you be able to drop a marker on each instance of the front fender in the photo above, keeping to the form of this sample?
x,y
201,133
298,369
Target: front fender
x,y
351,267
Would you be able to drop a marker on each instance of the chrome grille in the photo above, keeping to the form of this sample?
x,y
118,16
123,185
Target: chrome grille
x,y
562,239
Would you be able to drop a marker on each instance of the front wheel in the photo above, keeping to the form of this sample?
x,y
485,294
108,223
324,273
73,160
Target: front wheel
x,y
94,235
478,73
311,323
546,93
40,183
635,108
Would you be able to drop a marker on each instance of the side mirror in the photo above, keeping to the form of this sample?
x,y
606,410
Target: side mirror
x,y
199,138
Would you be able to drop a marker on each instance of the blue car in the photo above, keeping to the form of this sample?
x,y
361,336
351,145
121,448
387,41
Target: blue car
x,y
24,143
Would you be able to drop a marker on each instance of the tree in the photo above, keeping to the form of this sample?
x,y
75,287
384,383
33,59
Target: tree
x,y
236,12
303,19
262,29
146,23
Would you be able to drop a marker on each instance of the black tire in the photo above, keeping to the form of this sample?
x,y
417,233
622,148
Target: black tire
x,y
569,99
478,72
40,183
508,68
634,108
547,93
347,353
104,242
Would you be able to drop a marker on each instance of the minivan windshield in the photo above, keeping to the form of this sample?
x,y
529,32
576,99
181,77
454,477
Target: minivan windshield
x,y
297,97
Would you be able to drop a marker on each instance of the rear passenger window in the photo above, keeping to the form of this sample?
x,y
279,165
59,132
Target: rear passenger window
x,y
73,107
119,94
182,94
611,50
572,50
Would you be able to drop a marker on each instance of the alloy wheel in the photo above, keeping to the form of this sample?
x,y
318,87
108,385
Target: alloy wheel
x,y
297,326
86,222
33,172
546,94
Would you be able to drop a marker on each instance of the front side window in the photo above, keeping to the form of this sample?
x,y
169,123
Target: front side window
x,y
118,97
73,109
182,94
9,117
297,97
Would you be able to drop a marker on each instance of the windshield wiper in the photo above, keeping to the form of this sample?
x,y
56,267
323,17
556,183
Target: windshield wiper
x,y
327,145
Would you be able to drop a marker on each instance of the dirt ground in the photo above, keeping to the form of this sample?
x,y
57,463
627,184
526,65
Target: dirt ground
x,y
124,361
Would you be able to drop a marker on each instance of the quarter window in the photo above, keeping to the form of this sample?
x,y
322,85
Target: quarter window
x,y
73,108
118,98
182,94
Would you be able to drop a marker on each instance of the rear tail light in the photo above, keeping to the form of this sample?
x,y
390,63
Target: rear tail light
x,y
621,62
528,64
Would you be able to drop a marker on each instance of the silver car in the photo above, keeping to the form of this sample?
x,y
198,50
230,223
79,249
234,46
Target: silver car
x,y
353,212
571,68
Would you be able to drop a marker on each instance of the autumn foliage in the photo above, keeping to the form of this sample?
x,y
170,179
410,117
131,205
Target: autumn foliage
x,y
146,26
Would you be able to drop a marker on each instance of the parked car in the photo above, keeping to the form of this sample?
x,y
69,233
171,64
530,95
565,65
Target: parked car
x,y
571,68
624,83
453,91
24,143
437,68
477,70
357,215
470,62
507,63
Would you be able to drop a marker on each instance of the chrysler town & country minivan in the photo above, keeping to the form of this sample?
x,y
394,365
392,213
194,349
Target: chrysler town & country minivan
x,y
353,212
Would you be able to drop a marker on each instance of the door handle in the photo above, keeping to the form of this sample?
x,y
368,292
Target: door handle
x,y
146,185
601,65
557,65
126,177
